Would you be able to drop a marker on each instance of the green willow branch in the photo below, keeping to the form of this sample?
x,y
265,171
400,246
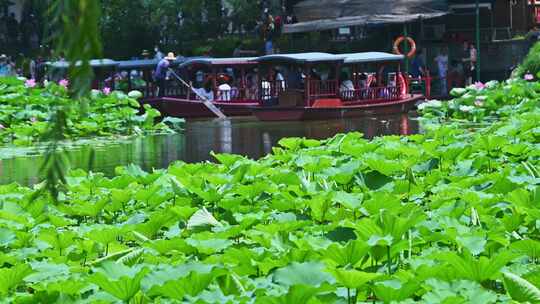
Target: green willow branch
x,y
74,31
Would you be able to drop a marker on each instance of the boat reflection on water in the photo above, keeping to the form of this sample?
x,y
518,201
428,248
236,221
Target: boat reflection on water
x,y
245,136
255,139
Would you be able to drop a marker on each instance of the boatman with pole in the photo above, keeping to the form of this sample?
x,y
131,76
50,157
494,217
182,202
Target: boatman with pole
x,y
160,74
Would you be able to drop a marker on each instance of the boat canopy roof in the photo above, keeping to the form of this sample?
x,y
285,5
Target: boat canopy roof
x,y
131,64
145,63
301,58
371,57
95,63
207,61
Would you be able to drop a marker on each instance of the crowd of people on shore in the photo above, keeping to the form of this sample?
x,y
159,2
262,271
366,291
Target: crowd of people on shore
x,y
270,27
450,72
27,66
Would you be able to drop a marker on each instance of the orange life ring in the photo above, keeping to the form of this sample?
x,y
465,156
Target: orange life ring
x,y
411,42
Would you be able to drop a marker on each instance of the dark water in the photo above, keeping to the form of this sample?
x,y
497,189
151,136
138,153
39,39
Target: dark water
x,y
245,136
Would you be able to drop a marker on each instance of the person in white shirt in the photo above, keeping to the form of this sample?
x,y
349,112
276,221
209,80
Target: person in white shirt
x,y
346,89
442,66
224,88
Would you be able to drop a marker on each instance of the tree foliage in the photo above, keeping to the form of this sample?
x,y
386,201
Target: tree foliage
x,y
129,26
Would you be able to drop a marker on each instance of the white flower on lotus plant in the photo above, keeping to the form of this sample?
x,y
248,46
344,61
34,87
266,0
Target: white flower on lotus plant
x,y
466,109
491,84
430,104
135,94
435,103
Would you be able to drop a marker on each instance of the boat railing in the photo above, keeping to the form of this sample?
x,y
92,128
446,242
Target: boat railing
x,y
234,95
371,94
323,89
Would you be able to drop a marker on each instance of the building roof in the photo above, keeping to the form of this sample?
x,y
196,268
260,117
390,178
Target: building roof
x,y
371,57
301,58
318,15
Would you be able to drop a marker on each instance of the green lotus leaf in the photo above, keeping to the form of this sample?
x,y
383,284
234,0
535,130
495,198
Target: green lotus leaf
x,y
520,289
309,273
12,277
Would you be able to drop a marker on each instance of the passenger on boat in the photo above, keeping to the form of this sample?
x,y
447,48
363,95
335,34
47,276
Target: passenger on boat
x,y
252,92
293,78
235,91
206,91
346,89
224,88
279,80
314,75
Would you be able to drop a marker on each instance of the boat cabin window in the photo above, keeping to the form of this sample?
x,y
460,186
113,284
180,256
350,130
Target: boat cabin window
x,y
370,82
223,83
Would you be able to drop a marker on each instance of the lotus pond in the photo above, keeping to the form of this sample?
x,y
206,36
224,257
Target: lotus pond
x,y
451,215
244,136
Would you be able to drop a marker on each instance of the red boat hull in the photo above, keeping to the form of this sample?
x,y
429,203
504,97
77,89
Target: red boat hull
x,y
345,111
177,107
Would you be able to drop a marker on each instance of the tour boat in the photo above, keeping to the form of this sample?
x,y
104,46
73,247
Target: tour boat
x,y
274,87
180,100
307,95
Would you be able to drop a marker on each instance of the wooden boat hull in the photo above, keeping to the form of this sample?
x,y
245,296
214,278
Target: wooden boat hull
x,y
345,111
177,107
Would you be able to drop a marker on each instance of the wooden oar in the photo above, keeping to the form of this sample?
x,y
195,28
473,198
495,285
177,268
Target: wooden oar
x,y
204,100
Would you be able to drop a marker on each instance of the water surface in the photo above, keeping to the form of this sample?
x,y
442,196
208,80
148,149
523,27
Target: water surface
x,y
245,136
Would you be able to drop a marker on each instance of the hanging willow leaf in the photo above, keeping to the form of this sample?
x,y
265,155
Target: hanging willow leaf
x,y
74,30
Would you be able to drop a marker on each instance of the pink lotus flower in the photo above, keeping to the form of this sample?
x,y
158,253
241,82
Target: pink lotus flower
x,y
528,77
2,127
30,83
479,103
107,90
33,119
64,83
479,86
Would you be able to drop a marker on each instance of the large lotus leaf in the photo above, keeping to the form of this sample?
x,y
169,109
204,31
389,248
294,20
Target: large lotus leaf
x,y
206,244
475,243
350,254
480,269
353,279
104,235
121,281
352,201
394,290
297,294
377,240
12,277
457,292
520,289
309,273
383,166
292,143
6,237
529,247
47,272
177,289
164,273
